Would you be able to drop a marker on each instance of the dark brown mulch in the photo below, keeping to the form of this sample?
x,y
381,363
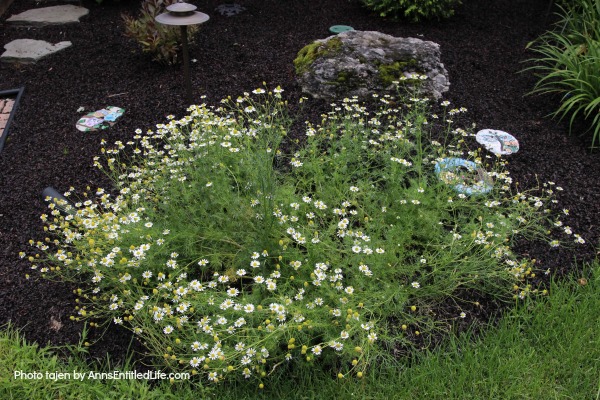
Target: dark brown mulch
x,y
483,48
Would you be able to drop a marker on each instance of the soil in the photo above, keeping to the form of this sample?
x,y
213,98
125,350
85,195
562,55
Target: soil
x,y
483,48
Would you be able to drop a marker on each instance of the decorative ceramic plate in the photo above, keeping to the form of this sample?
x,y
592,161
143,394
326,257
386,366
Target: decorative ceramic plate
x,y
100,119
464,176
498,142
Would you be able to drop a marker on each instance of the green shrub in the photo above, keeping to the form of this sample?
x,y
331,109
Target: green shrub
x,y
231,259
160,40
567,63
415,10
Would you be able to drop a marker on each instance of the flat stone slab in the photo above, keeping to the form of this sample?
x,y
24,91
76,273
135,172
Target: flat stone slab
x,y
28,51
55,15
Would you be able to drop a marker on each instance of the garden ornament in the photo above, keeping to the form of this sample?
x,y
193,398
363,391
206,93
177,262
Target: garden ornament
x,y
101,119
497,142
183,14
464,176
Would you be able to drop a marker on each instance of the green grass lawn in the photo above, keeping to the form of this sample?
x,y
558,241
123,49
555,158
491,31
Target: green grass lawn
x,y
548,349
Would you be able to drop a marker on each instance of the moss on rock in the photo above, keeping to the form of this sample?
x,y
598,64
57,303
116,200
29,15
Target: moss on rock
x,y
309,53
347,80
357,63
389,73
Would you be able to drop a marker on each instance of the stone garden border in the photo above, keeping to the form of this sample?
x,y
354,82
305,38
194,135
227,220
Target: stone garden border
x,y
16,93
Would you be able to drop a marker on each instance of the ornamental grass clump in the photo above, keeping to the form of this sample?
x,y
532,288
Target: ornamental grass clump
x,y
567,62
231,259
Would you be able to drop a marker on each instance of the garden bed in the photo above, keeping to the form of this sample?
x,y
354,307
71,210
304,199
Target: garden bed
x,y
483,48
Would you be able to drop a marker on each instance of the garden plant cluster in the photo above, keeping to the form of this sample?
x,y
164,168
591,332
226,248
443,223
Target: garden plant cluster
x,y
233,252
161,41
567,62
414,10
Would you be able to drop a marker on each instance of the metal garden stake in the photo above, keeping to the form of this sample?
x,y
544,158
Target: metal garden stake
x,y
183,14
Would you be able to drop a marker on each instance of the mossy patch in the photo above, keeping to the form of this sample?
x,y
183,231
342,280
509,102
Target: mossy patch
x,y
344,76
309,53
389,73
346,81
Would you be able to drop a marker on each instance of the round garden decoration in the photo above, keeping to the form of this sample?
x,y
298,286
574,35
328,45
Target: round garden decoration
x,y
498,142
464,176
335,29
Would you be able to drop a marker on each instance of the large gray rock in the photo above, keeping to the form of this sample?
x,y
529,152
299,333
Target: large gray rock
x,y
360,63
55,15
27,51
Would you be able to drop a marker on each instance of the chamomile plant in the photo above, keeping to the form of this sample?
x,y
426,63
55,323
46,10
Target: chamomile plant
x,y
230,257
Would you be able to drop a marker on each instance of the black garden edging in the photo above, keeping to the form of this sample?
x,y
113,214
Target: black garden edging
x,y
16,93
50,194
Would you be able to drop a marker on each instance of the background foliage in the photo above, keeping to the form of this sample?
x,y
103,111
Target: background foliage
x,y
415,10
161,41
567,61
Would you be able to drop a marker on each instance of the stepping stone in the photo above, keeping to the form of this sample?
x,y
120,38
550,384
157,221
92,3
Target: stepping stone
x,y
55,15
28,51
100,119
